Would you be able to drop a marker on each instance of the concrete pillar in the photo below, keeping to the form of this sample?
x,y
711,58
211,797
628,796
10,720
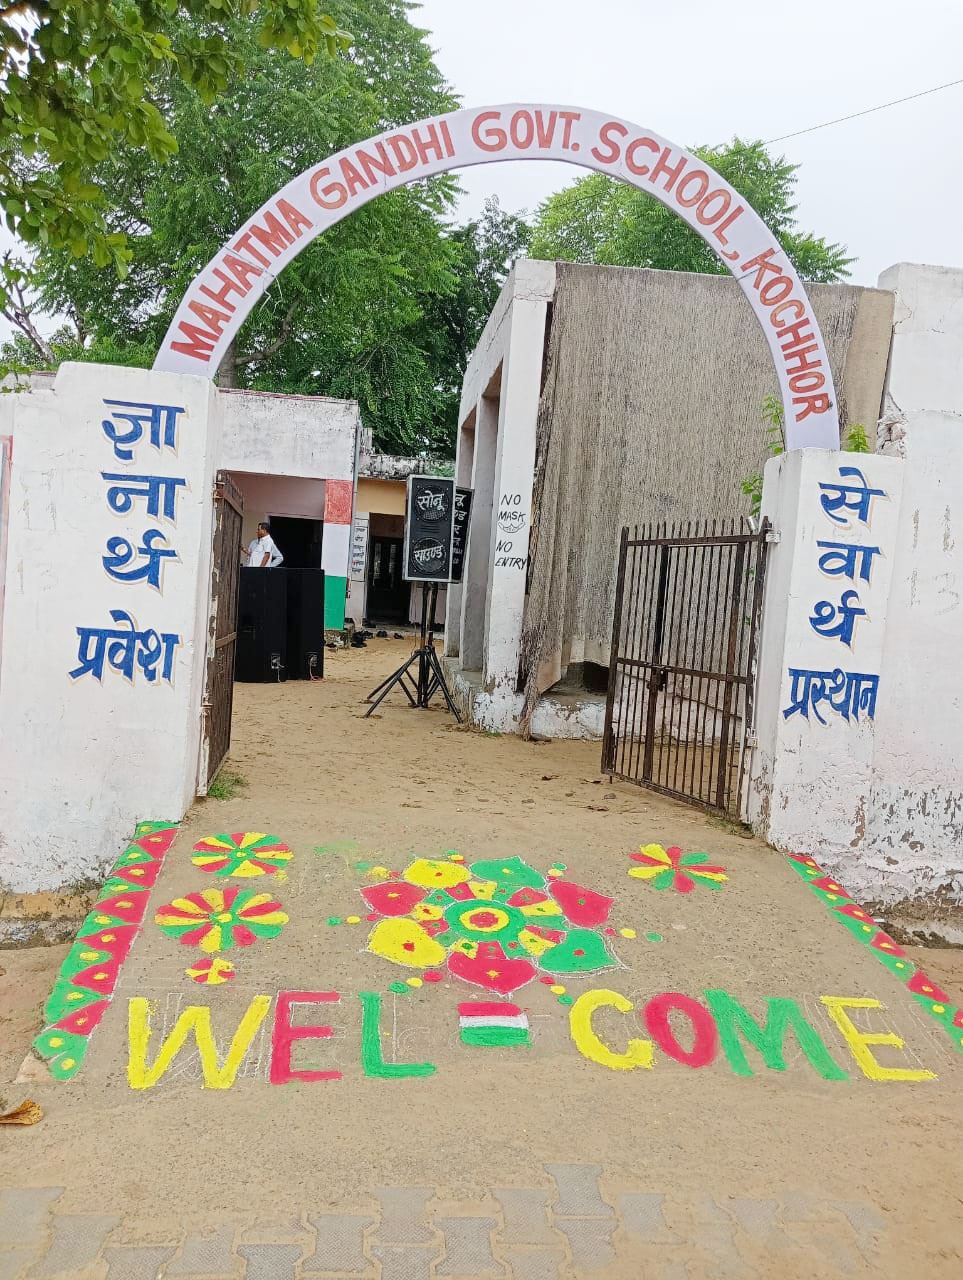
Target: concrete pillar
x,y
478,566
512,511
820,695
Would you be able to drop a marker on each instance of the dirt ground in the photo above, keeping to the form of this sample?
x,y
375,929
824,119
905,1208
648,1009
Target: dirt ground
x,y
349,795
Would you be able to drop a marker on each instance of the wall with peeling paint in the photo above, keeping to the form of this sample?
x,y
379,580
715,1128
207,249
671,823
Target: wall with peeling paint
x,y
82,760
880,803
913,838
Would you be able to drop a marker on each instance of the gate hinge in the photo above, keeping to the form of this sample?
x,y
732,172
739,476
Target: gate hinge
x,y
774,536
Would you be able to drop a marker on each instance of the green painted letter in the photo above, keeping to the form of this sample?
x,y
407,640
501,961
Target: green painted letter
x,y
372,1061
732,1018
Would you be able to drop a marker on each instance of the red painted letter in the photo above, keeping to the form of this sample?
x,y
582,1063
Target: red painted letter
x,y
705,1042
284,1035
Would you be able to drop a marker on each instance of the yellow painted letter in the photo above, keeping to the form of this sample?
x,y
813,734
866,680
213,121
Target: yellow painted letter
x,y
196,1019
638,1053
858,1041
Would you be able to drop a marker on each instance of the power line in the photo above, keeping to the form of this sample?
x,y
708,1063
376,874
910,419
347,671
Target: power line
x,y
868,112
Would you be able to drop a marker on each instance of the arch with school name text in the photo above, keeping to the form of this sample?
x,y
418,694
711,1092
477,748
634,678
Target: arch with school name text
x,y
222,295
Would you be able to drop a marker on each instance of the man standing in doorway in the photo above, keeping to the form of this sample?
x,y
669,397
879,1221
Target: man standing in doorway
x,y
263,552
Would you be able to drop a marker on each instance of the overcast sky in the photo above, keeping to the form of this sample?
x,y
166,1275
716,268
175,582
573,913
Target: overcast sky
x,y
888,186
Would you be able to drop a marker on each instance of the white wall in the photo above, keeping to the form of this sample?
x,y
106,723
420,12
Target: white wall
x,y
82,760
880,803
914,832
812,768
278,435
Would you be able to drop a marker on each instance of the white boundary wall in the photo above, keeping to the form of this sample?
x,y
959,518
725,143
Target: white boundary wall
x,y
878,800
81,759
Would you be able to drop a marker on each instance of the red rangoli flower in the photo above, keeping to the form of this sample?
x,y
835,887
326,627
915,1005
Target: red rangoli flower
x,y
671,868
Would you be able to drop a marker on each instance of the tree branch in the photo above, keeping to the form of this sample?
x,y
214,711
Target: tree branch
x,y
17,310
283,333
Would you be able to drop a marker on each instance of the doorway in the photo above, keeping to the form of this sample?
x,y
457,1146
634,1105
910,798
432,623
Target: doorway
x,y
298,540
389,595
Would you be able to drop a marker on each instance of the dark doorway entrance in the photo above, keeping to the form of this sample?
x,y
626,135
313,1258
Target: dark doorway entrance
x,y
388,595
298,540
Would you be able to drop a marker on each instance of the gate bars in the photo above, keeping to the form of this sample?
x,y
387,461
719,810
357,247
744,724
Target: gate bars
x,y
681,673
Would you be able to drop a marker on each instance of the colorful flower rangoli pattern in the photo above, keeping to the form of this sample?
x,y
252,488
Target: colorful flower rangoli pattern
x,y
495,923
88,975
218,919
672,869
244,853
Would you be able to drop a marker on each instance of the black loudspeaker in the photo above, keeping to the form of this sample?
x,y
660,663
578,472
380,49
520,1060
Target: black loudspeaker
x,y
261,626
305,623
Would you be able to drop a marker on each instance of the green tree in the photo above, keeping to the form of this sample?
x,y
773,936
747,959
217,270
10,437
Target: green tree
x,y
346,318
600,220
485,249
856,440
81,77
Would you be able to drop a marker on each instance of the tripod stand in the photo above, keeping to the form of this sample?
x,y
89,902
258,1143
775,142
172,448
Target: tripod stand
x,y
431,675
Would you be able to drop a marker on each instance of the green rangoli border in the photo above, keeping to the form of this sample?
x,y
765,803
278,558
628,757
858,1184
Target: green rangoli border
x,y
862,926
85,984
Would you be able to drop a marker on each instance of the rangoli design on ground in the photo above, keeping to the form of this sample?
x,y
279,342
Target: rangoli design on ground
x,y
219,919
88,975
672,869
495,1023
862,925
496,924
244,853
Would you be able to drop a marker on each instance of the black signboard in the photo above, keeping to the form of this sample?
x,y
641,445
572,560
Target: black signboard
x,y
459,542
428,529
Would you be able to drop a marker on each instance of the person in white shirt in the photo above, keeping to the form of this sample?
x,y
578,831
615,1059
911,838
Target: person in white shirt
x,y
263,552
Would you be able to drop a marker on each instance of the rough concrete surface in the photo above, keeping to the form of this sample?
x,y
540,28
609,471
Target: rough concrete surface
x,y
506,1162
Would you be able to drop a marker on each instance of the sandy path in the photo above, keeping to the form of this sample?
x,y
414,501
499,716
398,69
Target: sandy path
x,y
406,784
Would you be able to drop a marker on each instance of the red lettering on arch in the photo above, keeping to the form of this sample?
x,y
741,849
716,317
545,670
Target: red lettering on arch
x,y
613,149
379,163
210,315
273,235
649,144
293,216
200,342
493,139
545,130
240,269
353,178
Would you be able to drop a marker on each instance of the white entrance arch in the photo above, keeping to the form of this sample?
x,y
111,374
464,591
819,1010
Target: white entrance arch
x,y
220,298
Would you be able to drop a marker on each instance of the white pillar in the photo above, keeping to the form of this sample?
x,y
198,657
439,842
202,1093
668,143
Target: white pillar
x,y
83,758
819,699
499,706
478,565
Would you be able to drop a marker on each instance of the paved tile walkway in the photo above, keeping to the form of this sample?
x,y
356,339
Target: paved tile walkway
x,y
516,1233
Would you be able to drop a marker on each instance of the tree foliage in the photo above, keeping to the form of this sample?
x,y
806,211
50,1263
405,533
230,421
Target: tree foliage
x,y
600,220
384,307
82,77
485,249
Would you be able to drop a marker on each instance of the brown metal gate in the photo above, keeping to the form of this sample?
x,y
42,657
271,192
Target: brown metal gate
x,y
222,635
680,700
